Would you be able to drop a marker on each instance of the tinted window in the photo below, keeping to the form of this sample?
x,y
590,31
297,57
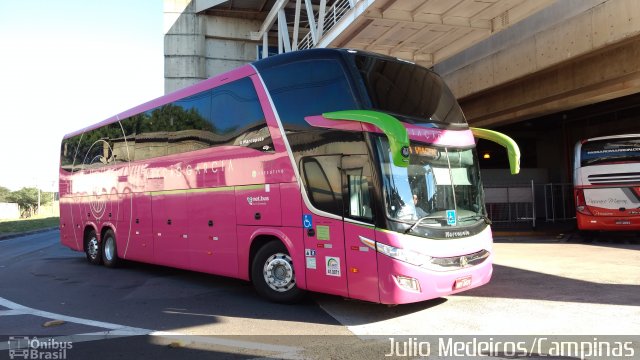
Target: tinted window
x,y
237,117
357,173
410,90
68,152
227,115
610,150
309,87
322,182
174,128
96,148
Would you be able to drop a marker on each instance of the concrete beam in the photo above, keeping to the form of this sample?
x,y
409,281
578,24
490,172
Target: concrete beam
x,y
270,20
202,5
612,71
548,38
429,19
230,28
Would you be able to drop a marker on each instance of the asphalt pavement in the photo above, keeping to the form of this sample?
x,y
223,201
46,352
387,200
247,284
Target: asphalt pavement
x,y
545,285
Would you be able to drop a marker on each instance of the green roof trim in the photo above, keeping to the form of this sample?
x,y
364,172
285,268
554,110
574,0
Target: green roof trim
x,y
390,126
513,151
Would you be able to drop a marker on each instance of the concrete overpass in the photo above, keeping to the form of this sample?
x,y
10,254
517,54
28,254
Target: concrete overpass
x,y
546,72
506,60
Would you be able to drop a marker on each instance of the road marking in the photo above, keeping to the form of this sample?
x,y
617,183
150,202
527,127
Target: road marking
x,y
11,312
49,315
118,331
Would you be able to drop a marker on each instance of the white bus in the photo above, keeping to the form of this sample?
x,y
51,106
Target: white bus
x,y
606,181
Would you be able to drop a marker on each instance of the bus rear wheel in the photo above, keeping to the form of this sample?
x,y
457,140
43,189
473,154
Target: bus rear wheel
x,y
92,248
273,274
110,250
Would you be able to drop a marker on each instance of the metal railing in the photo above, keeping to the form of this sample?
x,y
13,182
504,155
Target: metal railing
x,y
332,16
529,203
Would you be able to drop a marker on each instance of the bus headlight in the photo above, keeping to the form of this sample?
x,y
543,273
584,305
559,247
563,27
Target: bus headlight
x,y
405,255
407,283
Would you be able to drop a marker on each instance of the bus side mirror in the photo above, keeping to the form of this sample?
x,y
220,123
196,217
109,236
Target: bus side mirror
x,y
513,151
390,126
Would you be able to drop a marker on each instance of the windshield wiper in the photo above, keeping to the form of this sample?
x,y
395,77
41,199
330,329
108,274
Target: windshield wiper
x,y
478,217
422,219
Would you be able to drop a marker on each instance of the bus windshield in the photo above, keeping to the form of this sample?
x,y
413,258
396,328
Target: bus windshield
x,y
440,187
416,94
610,151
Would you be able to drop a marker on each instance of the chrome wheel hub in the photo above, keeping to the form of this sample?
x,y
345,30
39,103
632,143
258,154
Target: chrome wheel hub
x,y
92,248
109,248
278,272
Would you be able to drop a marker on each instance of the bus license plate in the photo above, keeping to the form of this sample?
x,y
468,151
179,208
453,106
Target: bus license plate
x,y
462,282
623,222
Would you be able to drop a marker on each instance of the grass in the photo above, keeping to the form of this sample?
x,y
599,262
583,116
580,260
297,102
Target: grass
x,y
24,225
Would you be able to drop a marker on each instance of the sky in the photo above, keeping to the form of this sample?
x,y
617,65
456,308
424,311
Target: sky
x,y
67,64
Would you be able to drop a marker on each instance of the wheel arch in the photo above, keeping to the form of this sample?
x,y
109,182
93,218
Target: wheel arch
x,y
106,227
259,237
257,243
85,233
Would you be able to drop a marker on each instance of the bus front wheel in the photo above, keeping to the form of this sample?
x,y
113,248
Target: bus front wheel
x,y
109,249
273,274
92,248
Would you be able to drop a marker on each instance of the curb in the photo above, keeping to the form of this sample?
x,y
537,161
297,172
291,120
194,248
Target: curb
x,y
15,235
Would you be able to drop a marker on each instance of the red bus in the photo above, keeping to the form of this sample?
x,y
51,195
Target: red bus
x,y
607,183
326,170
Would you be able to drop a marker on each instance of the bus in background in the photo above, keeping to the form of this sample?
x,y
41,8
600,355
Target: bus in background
x,y
607,183
328,170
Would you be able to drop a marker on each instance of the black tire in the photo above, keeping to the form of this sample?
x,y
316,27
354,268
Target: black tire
x,y
273,274
92,248
110,250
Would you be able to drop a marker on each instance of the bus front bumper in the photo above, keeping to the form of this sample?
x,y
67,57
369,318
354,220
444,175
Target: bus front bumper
x,y
402,283
608,223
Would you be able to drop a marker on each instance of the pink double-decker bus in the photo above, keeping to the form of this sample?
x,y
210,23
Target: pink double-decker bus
x,y
327,170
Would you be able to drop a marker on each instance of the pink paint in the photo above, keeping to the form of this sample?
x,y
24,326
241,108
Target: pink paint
x,y
428,135
432,284
204,210
362,267
328,271
258,205
321,121
291,204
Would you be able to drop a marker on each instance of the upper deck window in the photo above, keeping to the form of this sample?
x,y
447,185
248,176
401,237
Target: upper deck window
x,y
417,94
308,87
227,115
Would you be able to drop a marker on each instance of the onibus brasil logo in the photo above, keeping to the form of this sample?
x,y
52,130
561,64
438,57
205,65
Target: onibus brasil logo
x,y
23,347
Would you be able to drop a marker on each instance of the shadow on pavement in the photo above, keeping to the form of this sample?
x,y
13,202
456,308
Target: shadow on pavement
x,y
514,283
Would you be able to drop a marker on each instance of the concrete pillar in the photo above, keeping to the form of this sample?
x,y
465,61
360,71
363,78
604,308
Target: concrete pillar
x,y
198,46
184,45
228,43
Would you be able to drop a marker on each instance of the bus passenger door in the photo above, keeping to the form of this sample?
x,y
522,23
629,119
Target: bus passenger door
x,y
362,267
324,235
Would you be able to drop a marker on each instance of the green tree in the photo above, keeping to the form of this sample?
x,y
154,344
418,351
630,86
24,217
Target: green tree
x,y
4,194
27,199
